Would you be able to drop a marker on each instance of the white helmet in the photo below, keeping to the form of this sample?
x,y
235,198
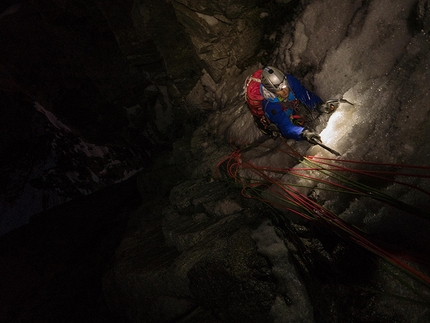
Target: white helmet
x,y
273,79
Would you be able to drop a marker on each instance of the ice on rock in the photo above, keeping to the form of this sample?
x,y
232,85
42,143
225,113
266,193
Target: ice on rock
x,y
337,129
366,53
300,43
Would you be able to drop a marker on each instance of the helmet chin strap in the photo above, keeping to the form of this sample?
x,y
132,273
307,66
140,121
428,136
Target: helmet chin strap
x,y
268,94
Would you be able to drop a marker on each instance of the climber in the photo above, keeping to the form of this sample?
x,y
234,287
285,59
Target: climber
x,y
281,94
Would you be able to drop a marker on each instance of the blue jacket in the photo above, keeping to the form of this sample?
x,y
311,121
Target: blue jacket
x,y
279,112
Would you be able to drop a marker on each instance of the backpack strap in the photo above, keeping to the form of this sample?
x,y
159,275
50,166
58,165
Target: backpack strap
x,y
248,81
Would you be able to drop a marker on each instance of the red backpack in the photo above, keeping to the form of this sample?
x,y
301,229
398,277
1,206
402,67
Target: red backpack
x,y
252,94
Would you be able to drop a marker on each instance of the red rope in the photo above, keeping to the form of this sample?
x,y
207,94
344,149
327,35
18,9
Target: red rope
x,y
309,209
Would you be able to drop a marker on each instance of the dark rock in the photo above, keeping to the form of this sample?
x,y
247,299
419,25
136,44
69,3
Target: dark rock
x,y
51,269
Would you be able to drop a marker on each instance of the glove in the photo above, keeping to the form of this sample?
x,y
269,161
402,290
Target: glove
x,y
327,107
312,137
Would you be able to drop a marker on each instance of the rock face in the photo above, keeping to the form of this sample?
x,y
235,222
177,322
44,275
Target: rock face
x,y
104,86
222,34
198,254
159,81
80,111
221,256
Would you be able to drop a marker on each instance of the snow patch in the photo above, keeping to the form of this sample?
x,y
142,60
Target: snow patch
x,y
51,117
210,20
